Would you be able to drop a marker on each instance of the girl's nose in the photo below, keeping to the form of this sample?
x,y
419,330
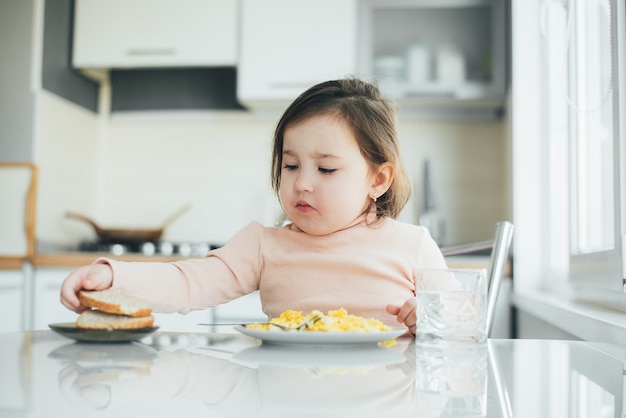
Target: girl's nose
x,y
304,182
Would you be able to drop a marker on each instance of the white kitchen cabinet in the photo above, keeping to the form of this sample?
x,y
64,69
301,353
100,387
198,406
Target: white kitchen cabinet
x,y
244,309
146,33
289,45
176,322
11,300
440,51
47,307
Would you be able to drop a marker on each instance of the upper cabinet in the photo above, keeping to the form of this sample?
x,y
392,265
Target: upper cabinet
x,y
289,45
435,50
428,55
425,54
147,33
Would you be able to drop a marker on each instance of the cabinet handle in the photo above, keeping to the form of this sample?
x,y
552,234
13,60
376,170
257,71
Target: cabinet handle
x,y
151,51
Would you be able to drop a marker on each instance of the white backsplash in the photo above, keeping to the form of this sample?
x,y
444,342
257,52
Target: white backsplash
x,y
136,171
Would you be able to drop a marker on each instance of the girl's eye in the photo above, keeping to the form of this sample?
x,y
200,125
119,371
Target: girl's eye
x,y
327,170
290,166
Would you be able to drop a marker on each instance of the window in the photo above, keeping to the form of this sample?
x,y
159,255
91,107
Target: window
x,y
586,136
591,115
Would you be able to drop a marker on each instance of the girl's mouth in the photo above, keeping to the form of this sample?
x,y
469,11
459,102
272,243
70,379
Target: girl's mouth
x,y
303,206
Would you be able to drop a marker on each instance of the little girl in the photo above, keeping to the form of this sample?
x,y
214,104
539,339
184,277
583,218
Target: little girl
x,y
337,171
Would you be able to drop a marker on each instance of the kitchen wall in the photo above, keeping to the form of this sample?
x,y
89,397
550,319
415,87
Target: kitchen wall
x,y
135,169
67,151
16,98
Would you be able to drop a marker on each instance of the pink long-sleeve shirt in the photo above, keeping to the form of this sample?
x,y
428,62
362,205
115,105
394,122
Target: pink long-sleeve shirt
x,y
362,269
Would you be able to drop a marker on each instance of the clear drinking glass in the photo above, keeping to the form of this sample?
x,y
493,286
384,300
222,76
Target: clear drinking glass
x,y
451,305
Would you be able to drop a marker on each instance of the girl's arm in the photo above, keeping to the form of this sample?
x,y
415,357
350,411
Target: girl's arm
x,y
182,286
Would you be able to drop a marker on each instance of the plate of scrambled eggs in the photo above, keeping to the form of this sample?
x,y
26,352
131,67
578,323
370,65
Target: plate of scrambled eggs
x,y
334,327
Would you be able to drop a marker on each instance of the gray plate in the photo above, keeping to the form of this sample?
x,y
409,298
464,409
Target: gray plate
x,y
69,330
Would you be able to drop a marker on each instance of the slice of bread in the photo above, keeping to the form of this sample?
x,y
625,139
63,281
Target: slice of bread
x,y
95,319
114,301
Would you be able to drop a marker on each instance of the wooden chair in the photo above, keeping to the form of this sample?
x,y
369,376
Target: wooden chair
x,y
500,247
18,188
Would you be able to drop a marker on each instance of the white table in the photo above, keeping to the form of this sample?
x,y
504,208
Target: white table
x,y
177,375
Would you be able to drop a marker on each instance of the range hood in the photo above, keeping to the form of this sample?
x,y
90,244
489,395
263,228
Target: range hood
x,y
170,54
174,89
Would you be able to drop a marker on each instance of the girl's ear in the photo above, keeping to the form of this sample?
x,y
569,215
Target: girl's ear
x,y
383,176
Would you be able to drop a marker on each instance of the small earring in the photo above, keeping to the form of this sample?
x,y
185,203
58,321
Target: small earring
x,y
373,196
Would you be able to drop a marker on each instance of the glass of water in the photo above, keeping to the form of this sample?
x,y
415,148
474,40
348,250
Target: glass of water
x,y
451,305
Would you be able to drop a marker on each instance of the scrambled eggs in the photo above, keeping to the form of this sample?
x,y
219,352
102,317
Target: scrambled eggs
x,y
337,320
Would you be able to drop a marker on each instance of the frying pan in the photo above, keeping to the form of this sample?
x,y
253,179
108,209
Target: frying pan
x,y
121,235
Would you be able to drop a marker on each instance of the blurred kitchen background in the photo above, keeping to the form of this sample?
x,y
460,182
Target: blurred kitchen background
x,y
131,110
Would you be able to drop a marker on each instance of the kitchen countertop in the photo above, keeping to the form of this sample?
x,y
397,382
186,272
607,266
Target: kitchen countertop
x,y
76,259
11,263
231,375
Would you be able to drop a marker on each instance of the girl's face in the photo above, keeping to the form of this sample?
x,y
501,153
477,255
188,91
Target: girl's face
x,y
325,181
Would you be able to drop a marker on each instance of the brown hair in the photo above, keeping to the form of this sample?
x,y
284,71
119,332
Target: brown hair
x,y
371,118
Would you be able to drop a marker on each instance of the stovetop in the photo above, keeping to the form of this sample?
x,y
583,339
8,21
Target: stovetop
x,y
148,248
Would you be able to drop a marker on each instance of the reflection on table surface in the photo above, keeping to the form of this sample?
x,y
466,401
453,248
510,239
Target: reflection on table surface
x,y
229,375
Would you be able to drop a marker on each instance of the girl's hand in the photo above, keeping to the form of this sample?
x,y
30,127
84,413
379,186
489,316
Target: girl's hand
x,y
92,277
405,313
